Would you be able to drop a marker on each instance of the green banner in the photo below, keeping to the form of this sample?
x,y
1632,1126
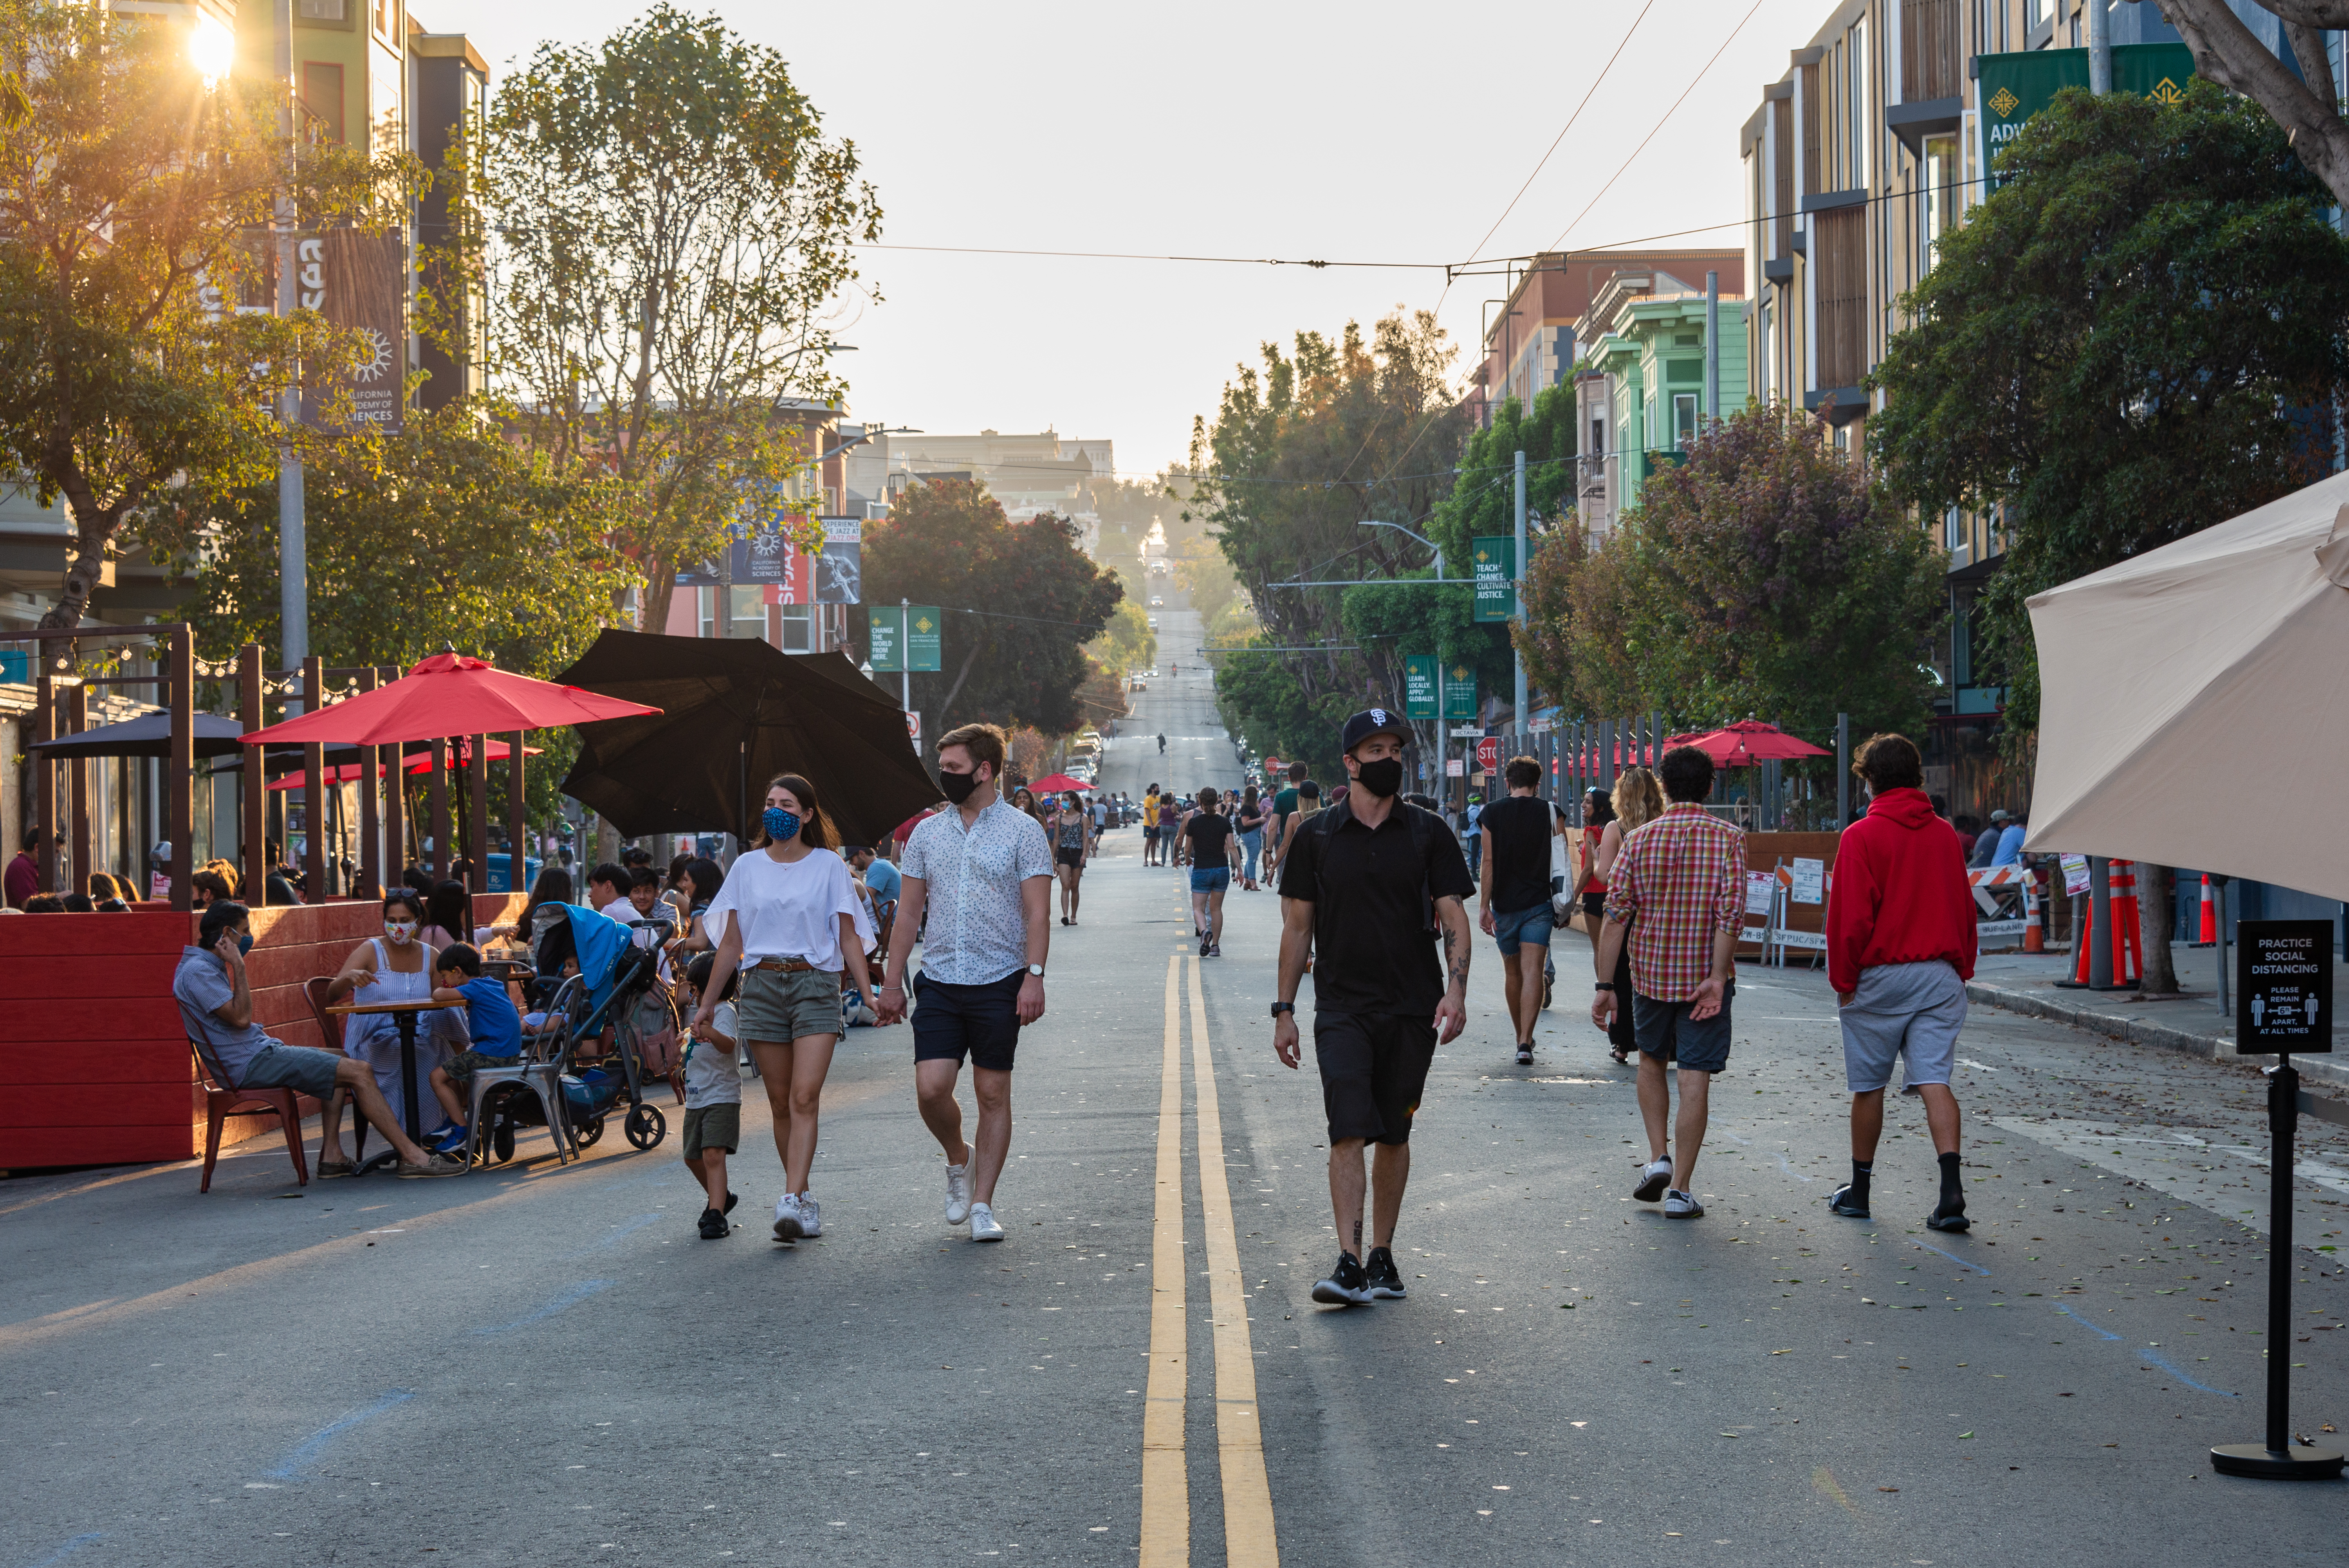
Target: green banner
x,y
1460,693
2016,87
884,641
923,650
1495,558
1423,685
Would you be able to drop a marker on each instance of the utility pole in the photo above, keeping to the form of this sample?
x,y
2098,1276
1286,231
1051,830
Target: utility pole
x,y
292,549
2100,45
905,663
1521,717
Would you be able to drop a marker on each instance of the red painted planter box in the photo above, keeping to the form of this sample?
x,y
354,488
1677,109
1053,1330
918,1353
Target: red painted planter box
x,y
94,1063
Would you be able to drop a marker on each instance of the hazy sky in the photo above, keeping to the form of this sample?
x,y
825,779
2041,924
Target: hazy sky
x,y
1367,132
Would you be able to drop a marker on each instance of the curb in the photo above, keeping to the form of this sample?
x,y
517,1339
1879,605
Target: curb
x,y
2143,1032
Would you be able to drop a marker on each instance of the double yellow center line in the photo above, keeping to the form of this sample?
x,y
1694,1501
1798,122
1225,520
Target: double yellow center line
x,y
1249,1540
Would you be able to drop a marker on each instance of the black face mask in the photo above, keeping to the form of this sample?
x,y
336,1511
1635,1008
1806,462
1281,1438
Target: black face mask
x,y
957,786
1382,778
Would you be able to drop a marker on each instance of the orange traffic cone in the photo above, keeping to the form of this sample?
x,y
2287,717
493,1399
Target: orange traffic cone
x,y
2128,936
2209,914
2034,939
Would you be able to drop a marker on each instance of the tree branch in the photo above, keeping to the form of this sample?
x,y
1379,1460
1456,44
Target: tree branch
x,y
2229,54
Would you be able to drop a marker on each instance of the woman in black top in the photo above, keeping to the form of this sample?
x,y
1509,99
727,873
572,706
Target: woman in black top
x,y
1250,826
1213,846
1515,892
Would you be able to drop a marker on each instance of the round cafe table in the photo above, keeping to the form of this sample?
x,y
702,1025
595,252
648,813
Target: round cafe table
x,y
404,1017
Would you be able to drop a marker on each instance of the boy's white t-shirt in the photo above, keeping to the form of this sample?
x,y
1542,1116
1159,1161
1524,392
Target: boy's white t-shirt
x,y
711,1074
792,909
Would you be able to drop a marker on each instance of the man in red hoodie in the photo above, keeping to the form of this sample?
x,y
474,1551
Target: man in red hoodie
x,y
1901,948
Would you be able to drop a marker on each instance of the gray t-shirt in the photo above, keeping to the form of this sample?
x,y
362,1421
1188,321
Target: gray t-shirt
x,y
200,985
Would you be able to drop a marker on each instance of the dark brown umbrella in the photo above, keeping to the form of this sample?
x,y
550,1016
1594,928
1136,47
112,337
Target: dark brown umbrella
x,y
734,713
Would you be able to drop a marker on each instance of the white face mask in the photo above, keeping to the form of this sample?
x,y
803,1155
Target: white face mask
x,y
400,932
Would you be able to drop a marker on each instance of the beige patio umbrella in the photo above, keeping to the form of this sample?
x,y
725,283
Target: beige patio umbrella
x,y
2195,706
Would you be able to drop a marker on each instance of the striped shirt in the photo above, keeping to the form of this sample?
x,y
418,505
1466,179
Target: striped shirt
x,y
1677,882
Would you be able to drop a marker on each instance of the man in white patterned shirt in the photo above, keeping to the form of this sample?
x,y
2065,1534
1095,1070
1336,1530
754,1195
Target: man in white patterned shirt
x,y
983,872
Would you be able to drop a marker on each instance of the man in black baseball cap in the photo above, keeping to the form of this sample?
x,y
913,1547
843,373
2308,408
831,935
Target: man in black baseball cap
x,y
1364,888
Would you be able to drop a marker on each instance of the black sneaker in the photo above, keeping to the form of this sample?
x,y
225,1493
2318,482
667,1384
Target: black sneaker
x,y
1346,1287
1947,1217
1526,1054
714,1227
1841,1202
1385,1283
1203,947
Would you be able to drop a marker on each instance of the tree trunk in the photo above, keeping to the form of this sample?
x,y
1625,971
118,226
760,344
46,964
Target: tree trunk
x,y
607,846
2230,54
661,587
2156,903
977,646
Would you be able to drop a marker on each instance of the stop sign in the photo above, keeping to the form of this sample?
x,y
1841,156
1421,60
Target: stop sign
x,y
1488,753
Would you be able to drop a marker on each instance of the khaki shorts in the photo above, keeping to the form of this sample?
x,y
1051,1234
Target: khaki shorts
x,y
710,1127
779,1005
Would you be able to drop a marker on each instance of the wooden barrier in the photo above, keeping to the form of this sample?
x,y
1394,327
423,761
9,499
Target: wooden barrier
x,y
95,1068
1763,852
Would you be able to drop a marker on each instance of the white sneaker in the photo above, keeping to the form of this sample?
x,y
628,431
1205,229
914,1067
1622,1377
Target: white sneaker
x,y
984,1226
788,1225
1653,1181
1679,1205
959,1193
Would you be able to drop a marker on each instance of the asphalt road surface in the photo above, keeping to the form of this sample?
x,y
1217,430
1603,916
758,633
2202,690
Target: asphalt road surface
x,y
538,1365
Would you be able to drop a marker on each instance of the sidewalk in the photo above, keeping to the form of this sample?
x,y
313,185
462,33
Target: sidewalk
x,y
2190,1022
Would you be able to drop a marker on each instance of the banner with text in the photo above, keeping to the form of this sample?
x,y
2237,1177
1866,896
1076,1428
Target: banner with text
x,y
1496,559
1423,685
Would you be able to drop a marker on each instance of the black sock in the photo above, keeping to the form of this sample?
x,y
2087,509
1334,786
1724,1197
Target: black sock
x,y
1860,1171
1953,1192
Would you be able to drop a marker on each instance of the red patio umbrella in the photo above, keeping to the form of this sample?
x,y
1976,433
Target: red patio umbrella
x,y
446,696
420,764
1747,742
1058,783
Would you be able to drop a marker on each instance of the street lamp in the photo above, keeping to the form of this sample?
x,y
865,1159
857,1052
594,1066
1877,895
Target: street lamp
x,y
1374,522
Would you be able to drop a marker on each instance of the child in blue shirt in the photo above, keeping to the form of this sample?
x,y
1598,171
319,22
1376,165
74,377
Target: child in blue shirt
x,y
492,1015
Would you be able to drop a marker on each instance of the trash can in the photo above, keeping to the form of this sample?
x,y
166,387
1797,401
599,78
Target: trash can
x,y
501,877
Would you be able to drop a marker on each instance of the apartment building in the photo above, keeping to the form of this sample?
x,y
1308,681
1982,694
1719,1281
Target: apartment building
x,y
1871,147
1640,385
1530,344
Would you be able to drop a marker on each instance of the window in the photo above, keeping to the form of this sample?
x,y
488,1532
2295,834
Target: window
x,y
1684,420
1937,197
1598,437
387,17
322,14
322,100
799,628
749,617
1858,98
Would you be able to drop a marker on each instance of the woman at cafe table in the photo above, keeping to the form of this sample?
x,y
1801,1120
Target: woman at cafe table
x,y
394,967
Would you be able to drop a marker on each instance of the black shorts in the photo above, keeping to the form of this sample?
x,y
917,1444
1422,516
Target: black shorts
x,y
1667,1033
1374,1071
981,1021
1069,856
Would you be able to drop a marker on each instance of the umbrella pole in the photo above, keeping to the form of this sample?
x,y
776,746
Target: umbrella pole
x,y
437,792
314,789
517,823
252,786
370,812
477,839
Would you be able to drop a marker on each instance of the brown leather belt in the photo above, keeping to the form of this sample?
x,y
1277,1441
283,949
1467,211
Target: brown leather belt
x,y
786,965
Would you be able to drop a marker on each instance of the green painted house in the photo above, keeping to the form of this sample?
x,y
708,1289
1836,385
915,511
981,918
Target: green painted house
x,y
1641,387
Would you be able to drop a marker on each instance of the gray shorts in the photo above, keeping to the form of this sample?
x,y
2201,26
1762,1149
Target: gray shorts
x,y
297,1068
1912,1010
777,1006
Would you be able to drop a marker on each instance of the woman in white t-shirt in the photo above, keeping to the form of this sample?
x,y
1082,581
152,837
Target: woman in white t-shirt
x,y
789,917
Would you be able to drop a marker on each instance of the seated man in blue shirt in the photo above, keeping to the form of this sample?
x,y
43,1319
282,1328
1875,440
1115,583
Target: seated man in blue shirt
x,y
882,880
216,1004
493,1019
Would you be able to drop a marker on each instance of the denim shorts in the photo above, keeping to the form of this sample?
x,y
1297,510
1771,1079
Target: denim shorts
x,y
1522,928
777,1006
1211,879
300,1068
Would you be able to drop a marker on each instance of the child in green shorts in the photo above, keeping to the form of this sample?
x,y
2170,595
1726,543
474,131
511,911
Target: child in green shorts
x,y
713,1098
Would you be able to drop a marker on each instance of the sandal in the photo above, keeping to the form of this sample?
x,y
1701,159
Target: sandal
x,y
1622,1058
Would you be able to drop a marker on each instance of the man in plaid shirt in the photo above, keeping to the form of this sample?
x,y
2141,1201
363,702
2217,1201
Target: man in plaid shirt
x,y
1677,894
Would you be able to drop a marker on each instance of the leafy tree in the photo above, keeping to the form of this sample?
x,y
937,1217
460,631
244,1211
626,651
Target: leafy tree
x,y
2137,336
131,191
1765,578
672,231
444,533
1128,643
1020,602
1302,453
1574,637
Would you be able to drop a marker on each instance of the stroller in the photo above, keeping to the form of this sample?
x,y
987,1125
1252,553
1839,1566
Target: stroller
x,y
644,1026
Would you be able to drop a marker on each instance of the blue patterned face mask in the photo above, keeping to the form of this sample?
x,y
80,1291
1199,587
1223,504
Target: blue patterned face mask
x,y
781,826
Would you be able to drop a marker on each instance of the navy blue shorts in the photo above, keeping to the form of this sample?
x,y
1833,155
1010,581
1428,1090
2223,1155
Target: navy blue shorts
x,y
1521,928
981,1021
